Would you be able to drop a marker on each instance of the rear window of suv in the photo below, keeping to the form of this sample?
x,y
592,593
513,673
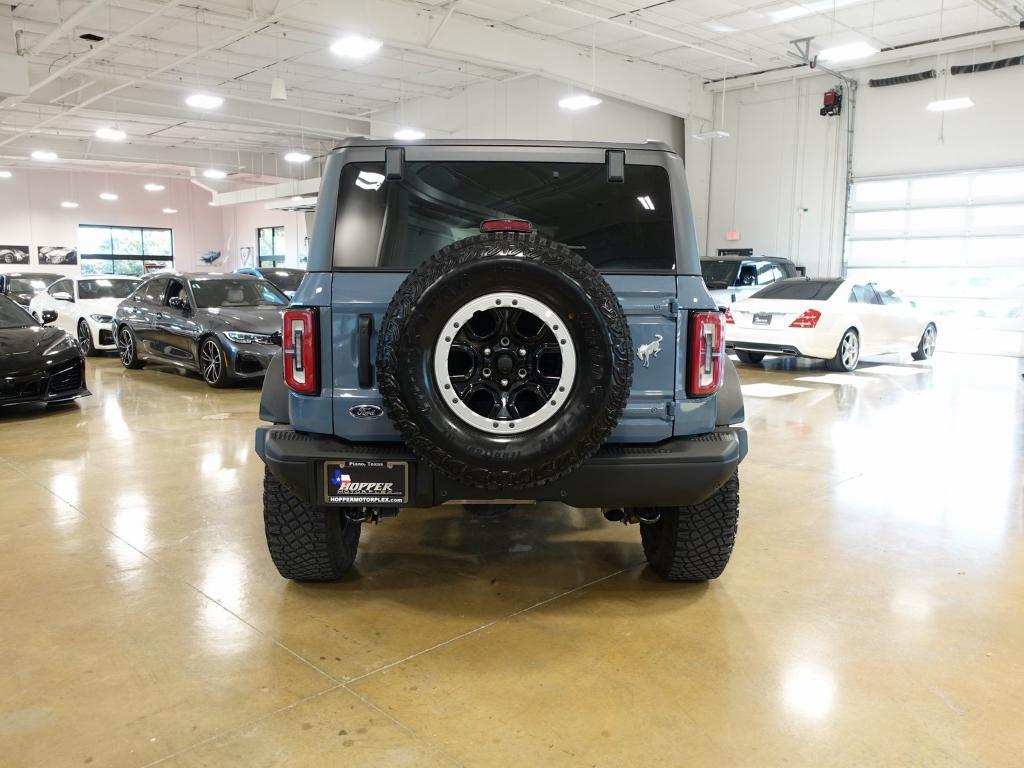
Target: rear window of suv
x,y
398,224
799,288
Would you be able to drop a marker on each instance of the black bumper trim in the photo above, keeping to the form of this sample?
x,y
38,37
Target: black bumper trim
x,y
676,472
768,349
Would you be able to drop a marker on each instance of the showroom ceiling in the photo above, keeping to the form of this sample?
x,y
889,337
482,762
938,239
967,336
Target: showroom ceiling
x,y
155,53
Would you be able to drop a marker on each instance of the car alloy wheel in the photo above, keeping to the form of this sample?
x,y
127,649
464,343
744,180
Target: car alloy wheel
x,y
84,338
850,350
929,341
211,361
126,346
504,361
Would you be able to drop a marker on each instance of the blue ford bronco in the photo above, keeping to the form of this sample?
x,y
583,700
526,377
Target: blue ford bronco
x,y
502,322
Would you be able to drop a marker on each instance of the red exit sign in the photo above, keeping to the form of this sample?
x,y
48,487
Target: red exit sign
x,y
732,235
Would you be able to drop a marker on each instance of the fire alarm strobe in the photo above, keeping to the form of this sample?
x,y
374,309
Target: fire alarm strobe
x,y
832,103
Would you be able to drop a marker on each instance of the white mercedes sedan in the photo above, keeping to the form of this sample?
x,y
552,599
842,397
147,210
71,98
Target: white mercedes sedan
x,y
85,306
832,319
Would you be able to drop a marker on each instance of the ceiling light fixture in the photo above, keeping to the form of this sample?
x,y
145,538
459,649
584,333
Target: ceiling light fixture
x,y
297,157
204,101
807,8
409,134
948,105
849,52
44,154
214,173
297,198
69,204
151,187
278,92
5,174
706,135
170,210
108,133
108,196
579,101
355,47
646,203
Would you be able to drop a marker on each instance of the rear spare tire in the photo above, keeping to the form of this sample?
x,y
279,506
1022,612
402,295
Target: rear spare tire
x,y
505,360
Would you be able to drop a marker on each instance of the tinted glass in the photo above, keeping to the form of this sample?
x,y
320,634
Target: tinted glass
x,y
105,289
236,293
720,273
13,316
285,279
614,226
888,296
153,291
61,286
865,294
30,284
805,290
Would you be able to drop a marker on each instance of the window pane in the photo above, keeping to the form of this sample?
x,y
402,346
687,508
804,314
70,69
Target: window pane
x,y
156,242
999,185
881,191
926,220
939,188
95,266
999,216
127,242
266,241
878,221
94,240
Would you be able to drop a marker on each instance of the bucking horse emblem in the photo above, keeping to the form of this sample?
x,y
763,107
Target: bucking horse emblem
x,y
651,349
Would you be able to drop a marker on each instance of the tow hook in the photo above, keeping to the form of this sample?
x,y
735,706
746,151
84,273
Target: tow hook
x,y
370,514
631,516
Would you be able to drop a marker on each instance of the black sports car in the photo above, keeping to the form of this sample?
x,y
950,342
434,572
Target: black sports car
x,y
37,363
225,327
22,286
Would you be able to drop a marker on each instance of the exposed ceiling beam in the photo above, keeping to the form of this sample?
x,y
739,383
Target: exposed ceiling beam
x,y
65,27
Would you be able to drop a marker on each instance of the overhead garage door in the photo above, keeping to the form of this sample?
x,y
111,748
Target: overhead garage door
x,y
954,244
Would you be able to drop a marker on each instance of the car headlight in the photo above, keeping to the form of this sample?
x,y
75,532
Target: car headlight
x,y
241,337
105,319
64,343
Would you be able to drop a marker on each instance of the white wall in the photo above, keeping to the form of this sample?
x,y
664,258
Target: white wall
x,y
780,178
30,212
240,222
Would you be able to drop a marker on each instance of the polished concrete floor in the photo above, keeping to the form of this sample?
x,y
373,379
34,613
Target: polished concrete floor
x,y
871,615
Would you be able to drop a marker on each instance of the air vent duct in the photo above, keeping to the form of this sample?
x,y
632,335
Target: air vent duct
x,y
901,79
986,66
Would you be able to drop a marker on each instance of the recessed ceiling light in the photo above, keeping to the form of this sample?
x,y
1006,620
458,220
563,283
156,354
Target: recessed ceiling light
x,y
69,204
44,154
5,174
211,203
947,105
151,187
579,101
170,210
297,157
849,52
108,196
108,133
204,101
296,198
711,135
717,26
214,173
409,134
355,46
807,8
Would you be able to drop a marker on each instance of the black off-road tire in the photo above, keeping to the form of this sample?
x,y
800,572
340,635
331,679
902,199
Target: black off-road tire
x,y
693,543
505,262
129,353
750,358
306,543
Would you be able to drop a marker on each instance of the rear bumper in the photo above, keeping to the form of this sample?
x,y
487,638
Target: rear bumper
x,y
672,473
799,342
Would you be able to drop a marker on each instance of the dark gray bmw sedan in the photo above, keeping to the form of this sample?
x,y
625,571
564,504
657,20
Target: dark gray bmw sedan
x,y
226,327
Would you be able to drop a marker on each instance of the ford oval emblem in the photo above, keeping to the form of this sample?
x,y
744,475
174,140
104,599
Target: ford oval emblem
x,y
366,411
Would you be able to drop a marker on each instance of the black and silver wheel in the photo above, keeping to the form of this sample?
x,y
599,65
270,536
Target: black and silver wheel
x,y
127,348
692,543
505,360
213,362
306,542
750,358
926,347
85,339
847,353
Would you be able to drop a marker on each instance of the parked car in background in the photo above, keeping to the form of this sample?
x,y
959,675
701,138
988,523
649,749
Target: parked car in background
x,y
37,363
287,280
85,306
733,278
22,286
832,319
226,327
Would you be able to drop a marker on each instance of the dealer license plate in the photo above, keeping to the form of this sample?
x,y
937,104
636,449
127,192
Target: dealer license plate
x,y
365,482
762,318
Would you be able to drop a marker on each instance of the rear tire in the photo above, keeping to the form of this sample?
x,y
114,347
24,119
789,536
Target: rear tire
x,y
926,347
847,353
85,339
306,543
750,358
128,348
692,543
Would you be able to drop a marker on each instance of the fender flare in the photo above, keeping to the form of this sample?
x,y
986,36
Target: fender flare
x,y
729,400
274,396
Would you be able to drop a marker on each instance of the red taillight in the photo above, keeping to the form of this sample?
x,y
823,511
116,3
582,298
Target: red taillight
x,y
506,225
707,353
298,341
808,319
728,318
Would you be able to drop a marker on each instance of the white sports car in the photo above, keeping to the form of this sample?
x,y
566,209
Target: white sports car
x,y
833,319
85,307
